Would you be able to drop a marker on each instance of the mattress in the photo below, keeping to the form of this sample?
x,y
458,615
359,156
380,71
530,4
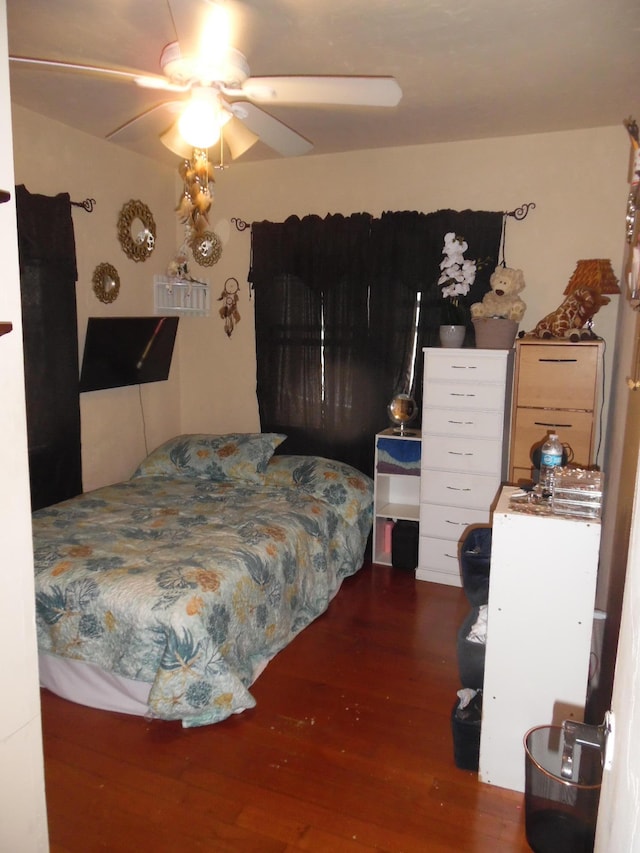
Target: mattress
x,y
178,591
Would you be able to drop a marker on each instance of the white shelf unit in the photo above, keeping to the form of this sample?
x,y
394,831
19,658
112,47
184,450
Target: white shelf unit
x,y
396,496
175,296
465,429
542,589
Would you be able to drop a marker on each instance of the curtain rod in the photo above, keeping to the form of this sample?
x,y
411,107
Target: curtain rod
x,y
518,214
87,204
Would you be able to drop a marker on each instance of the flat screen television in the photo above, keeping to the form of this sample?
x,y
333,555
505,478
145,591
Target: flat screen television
x,y
122,351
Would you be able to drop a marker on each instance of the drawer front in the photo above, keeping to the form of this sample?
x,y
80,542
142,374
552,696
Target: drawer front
x,y
532,425
521,475
474,455
448,488
469,424
555,376
439,555
449,522
465,366
462,395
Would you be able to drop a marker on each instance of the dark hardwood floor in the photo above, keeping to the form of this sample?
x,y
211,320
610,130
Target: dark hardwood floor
x,y
348,749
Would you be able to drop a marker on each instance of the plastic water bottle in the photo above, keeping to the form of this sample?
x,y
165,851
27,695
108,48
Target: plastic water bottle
x,y
550,461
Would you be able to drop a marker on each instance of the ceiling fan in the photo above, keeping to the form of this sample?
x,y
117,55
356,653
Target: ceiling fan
x,y
212,92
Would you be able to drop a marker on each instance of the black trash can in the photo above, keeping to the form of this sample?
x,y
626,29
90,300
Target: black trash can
x,y
471,655
475,564
560,813
465,729
404,545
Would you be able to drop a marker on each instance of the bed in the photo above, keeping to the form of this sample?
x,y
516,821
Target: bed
x,y
167,594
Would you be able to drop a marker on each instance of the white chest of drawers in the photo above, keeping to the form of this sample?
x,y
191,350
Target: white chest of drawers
x,y
466,405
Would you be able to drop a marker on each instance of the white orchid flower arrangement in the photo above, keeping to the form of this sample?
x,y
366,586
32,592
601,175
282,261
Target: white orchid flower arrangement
x,y
457,275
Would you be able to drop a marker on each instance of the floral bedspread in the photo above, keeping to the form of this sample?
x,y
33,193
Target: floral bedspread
x,y
191,585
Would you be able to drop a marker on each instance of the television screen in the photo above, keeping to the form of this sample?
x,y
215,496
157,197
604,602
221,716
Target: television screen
x,y
127,351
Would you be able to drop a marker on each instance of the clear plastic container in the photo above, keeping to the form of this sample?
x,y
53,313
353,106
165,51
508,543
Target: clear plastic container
x,y
578,492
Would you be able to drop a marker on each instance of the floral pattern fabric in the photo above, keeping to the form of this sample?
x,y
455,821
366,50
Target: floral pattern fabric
x,y
235,456
345,488
192,585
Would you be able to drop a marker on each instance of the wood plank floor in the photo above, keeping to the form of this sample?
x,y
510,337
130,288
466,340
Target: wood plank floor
x,y
349,749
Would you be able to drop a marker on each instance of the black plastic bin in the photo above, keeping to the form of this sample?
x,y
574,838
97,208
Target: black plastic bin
x,y
404,545
560,813
471,656
465,729
475,564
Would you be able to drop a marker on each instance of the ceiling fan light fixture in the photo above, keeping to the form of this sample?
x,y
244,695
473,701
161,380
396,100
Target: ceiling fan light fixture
x,y
199,123
175,142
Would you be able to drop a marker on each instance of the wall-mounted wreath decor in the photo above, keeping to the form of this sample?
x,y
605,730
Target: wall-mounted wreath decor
x,y
206,248
136,230
106,283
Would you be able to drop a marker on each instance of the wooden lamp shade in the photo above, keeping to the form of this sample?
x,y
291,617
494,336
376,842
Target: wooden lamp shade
x,y
596,274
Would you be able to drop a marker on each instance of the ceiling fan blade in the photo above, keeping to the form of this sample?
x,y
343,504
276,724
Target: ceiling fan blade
x,y
352,91
272,132
150,81
238,137
207,28
152,122
189,17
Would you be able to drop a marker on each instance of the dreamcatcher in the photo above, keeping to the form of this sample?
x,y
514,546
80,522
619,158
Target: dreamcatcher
x,y
229,311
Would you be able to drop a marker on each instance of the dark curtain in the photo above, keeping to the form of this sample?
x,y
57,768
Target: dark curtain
x,y
406,257
48,274
343,307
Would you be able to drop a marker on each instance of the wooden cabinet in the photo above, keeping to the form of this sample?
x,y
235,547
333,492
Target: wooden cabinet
x,y
466,405
556,387
541,597
396,487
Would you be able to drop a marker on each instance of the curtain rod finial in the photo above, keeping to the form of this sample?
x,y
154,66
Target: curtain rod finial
x,y
521,212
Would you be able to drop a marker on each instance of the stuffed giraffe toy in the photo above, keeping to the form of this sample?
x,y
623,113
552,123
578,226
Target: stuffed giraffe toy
x,y
571,317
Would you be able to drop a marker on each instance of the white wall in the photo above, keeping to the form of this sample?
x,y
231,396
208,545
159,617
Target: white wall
x,y
23,820
619,814
51,158
576,179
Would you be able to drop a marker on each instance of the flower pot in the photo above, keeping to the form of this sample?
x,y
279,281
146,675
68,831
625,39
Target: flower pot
x,y
452,336
495,332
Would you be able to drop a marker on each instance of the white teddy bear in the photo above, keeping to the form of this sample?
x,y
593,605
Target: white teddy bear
x,y
502,300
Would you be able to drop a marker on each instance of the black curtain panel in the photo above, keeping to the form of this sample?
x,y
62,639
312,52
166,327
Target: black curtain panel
x,y
343,307
48,275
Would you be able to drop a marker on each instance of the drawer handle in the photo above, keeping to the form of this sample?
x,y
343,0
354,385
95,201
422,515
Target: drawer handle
x,y
458,453
559,360
459,394
457,523
464,366
545,424
462,423
451,556
456,489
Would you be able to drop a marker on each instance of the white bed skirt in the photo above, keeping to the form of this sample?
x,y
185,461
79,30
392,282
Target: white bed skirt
x,y
88,684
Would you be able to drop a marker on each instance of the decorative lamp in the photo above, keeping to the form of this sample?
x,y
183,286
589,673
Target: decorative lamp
x,y
596,274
